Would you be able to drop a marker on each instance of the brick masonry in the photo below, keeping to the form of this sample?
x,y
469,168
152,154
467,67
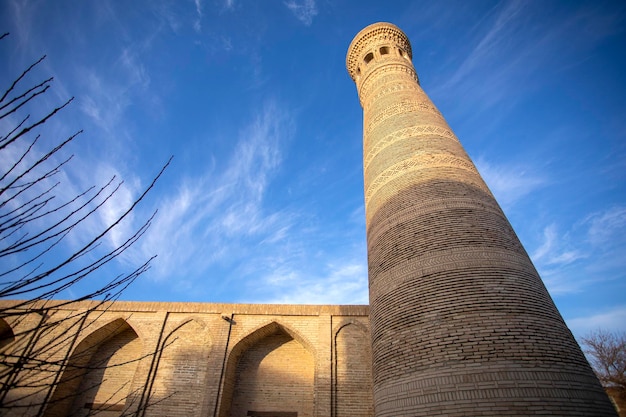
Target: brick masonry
x,y
193,359
461,323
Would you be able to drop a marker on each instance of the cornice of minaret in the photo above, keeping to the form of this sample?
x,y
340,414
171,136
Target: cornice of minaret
x,y
374,48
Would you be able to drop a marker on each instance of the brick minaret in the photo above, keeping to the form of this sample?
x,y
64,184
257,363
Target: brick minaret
x,y
461,323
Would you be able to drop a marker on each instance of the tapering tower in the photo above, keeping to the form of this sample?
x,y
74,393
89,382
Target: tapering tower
x,y
461,323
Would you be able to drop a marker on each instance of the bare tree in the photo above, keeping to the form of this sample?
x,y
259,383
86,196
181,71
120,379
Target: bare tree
x,y
37,221
606,352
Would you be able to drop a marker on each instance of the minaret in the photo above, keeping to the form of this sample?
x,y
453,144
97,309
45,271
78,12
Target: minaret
x,y
461,323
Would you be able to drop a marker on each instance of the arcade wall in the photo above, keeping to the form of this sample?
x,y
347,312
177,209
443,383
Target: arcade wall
x,y
192,359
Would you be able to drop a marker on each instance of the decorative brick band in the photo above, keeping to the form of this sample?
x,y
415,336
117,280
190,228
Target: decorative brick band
x,y
399,108
534,396
417,162
409,132
399,74
388,85
470,179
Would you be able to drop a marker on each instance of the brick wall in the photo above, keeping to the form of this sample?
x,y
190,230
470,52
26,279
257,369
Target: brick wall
x,y
185,359
276,374
353,381
181,372
99,373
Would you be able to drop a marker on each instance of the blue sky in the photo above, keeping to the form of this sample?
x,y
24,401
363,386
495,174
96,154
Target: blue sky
x,y
264,199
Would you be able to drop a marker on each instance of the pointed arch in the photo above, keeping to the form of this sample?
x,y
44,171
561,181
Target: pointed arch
x,y
272,369
99,373
269,328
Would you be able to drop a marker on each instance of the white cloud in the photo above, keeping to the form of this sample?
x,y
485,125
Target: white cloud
x,y
229,4
115,207
509,183
496,36
22,14
197,25
549,234
304,10
214,215
339,283
567,257
552,251
607,225
135,70
613,320
227,43
105,97
598,239
510,45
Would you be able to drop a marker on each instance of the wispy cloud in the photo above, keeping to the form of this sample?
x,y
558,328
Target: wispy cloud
x,y
338,284
598,239
229,4
104,99
489,44
516,41
611,320
213,215
552,252
107,94
489,58
549,234
509,183
225,221
23,13
606,225
227,43
197,25
135,70
305,10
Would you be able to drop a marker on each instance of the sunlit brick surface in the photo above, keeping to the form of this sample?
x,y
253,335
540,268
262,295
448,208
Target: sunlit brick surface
x,y
461,322
276,374
193,359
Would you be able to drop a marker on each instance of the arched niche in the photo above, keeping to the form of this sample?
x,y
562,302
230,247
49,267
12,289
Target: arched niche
x,y
6,334
179,384
99,373
352,385
272,370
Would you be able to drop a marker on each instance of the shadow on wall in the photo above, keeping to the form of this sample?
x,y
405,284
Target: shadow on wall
x,y
179,385
99,373
270,370
352,379
6,334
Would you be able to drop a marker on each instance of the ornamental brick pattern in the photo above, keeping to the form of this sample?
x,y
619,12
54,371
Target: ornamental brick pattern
x,y
461,323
